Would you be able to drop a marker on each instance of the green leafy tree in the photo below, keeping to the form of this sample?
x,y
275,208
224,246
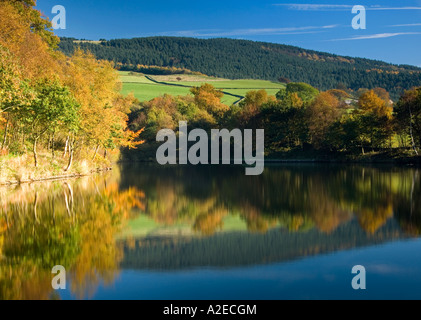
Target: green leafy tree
x,y
303,90
408,116
54,108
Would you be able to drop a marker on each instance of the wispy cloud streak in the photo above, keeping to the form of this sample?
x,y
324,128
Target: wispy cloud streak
x,y
314,7
248,32
338,7
406,25
378,36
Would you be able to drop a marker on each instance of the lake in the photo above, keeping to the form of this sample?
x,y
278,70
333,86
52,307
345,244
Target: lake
x,y
210,232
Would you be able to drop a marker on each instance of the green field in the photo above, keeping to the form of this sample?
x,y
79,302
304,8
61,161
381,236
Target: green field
x,y
148,91
142,226
145,89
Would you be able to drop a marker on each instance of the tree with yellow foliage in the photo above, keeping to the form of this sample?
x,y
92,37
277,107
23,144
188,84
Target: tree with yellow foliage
x,y
208,98
46,96
375,119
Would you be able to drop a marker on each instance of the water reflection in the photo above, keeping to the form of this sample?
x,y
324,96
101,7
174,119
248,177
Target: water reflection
x,y
297,197
149,217
72,224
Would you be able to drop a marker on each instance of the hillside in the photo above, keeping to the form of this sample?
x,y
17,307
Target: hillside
x,y
224,250
243,59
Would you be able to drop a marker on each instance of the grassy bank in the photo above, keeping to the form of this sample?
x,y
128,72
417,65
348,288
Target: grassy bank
x,y
17,169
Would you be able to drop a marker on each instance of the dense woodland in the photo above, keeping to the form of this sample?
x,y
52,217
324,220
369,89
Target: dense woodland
x,y
242,59
298,120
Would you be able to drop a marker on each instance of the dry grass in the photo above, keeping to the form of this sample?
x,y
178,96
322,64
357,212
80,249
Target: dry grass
x,y
20,169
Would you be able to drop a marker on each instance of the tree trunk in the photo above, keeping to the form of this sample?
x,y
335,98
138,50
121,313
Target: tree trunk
x,y
52,145
70,156
96,151
49,142
5,133
34,150
66,146
411,132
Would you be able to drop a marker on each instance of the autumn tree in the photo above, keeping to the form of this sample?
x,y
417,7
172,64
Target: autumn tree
x,y
208,98
11,81
37,22
27,36
322,113
384,95
375,118
103,112
251,105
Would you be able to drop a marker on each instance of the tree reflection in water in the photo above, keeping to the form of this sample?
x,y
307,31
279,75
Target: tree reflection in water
x,y
71,223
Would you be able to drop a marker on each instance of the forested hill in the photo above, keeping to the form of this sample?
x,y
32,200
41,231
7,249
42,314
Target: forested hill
x,y
239,59
224,249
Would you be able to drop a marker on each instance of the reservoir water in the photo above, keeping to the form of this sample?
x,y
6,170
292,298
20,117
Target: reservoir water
x,y
183,232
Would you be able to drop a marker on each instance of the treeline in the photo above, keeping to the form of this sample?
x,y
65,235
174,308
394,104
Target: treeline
x,y
52,102
299,118
155,70
239,59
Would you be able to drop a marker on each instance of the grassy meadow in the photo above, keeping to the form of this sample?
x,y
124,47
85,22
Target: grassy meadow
x,y
145,89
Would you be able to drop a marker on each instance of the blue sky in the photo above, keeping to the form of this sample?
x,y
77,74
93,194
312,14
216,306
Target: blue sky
x,y
392,34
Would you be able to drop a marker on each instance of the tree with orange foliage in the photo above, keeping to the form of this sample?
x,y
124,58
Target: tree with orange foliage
x,y
321,114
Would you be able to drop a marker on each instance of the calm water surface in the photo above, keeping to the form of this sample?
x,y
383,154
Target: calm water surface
x,y
149,232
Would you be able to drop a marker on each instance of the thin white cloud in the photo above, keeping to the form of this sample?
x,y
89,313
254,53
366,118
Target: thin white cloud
x,y
393,8
377,36
336,7
248,32
407,25
314,7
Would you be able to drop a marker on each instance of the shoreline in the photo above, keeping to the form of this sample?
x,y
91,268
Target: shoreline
x,y
395,162
405,161
55,178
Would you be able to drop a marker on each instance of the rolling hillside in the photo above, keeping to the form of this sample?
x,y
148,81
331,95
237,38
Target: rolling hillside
x,y
243,59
